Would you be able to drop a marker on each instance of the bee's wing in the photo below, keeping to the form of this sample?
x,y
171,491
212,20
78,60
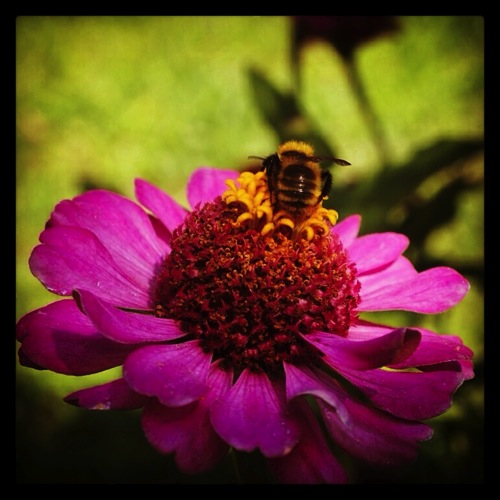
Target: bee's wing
x,y
338,161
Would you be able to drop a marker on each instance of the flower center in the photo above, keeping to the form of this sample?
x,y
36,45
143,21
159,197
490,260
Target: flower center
x,y
240,280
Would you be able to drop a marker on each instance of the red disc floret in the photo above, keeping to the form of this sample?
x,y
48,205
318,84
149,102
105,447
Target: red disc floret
x,y
250,298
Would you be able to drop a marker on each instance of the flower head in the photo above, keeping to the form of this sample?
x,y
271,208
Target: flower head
x,y
239,327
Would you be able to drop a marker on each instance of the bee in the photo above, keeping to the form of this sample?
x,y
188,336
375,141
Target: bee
x,y
297,183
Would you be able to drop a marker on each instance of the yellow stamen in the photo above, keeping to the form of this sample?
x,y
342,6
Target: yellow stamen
x,y
308,233
231,185
285,221
244,217
250,193
266,210
267,228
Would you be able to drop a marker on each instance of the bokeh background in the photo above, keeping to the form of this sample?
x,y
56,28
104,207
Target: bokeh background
x,y
103,100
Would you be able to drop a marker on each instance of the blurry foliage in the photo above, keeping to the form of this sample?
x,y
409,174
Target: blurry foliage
x,y
101,100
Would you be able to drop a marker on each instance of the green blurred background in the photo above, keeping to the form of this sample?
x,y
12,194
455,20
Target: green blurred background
x,y
103,100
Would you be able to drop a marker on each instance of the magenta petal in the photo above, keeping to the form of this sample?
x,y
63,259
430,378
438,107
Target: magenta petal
x,y
207,183
348,229
365,355
72,257
59,337
310,461
303,381
435,349
409,395
376,250
127,327
187,430
431,291
164,207
121,226
365,330
253,415
115,395
373,436
400,270
363,431
176,374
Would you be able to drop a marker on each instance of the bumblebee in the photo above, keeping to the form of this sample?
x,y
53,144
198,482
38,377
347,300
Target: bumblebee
x,y
297,184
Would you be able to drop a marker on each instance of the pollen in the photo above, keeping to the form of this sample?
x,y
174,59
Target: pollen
x,y
250,195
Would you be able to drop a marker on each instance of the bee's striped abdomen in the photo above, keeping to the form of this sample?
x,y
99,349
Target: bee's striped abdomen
x,y
298,186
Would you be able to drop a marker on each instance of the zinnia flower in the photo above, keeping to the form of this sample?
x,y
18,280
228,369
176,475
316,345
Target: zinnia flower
x,y
238,329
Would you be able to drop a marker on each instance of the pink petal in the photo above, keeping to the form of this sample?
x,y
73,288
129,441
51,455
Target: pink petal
x,y
59,337
373,436
176,374
115,395
376,250
435,349
432,291
253,415
364,432
400,270
207,183
348,229
310,461
121,226
127,327
304,381
168,211
409,395
72,257
187,430
364,330
365,355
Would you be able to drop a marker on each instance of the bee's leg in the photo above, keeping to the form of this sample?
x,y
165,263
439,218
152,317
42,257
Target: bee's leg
x,y
326,180
272,175
270,183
